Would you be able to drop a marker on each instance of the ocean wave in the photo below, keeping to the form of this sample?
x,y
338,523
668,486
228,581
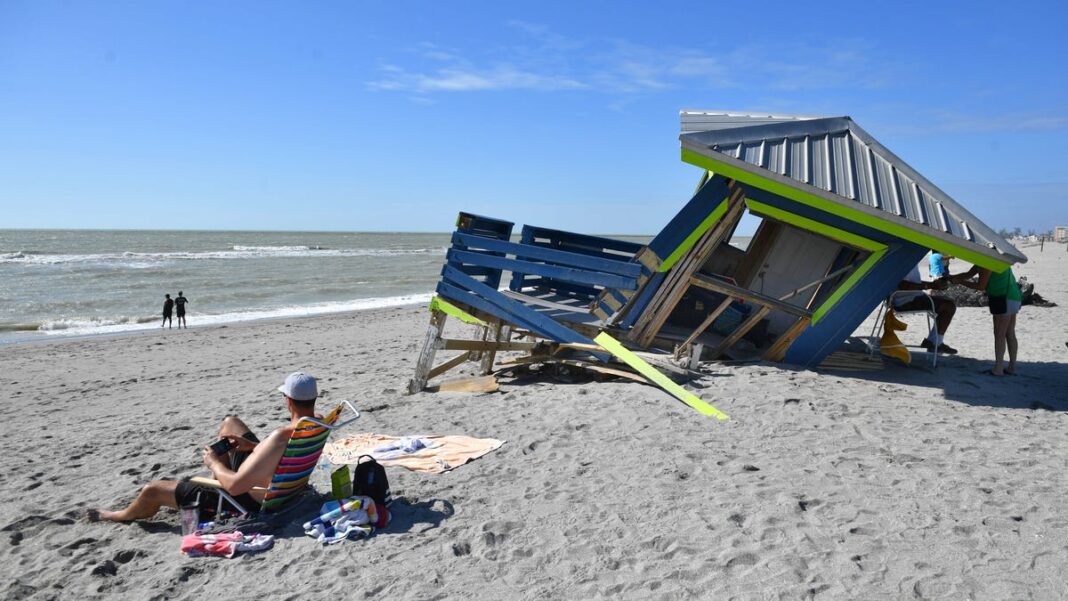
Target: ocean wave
x,y
144,260
94,326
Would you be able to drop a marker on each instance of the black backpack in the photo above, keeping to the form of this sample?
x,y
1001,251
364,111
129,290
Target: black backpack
x,y
369,480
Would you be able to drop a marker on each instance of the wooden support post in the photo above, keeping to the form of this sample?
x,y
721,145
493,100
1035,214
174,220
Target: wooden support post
x,y
501,333
695,356
704,326
446,366
677,281
742,330
777,350
426,356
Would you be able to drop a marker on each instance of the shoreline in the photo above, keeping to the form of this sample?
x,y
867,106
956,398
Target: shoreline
x,y
38,336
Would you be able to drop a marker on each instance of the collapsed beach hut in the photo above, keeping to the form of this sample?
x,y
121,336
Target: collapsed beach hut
x,y
842,221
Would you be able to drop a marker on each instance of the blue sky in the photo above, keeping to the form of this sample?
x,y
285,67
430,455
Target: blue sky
x,y
397,115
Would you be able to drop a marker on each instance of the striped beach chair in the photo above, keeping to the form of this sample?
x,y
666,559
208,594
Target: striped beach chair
x,y
296,466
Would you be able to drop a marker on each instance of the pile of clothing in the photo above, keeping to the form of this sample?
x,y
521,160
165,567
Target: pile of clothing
x,y
225,544
353,518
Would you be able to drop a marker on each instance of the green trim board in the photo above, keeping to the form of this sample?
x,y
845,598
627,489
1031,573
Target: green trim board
x,y
439,304
613,346
694,236
695,158
848,285
877,249
815,226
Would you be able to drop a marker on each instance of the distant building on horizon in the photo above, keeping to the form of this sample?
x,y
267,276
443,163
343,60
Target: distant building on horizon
x,y
1060,233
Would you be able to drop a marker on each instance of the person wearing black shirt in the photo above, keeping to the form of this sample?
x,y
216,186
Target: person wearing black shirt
x,y
168,304
179,305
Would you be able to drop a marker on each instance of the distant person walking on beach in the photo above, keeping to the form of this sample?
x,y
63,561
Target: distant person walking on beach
x,y
180,306
168,304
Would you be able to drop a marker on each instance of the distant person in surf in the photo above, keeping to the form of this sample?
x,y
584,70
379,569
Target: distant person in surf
x,y
168,305
180,306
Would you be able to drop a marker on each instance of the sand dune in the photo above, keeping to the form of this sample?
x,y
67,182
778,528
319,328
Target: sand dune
x,y
904,483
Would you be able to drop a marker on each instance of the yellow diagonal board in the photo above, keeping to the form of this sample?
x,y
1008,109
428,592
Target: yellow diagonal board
x,y
613,346
440,304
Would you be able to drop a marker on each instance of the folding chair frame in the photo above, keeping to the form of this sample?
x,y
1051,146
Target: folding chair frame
x,y
226,497
875,338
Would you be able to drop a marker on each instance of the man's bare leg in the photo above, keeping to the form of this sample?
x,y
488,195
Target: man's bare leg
x,y
155,494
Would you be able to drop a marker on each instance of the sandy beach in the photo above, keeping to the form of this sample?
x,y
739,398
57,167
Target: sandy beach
x,y
905,483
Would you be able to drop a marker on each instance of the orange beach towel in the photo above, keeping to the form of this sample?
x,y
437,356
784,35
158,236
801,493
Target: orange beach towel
x,y
441,453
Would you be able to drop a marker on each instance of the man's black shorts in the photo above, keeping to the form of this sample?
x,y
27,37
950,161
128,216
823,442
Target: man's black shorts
x,y
920,303
186,492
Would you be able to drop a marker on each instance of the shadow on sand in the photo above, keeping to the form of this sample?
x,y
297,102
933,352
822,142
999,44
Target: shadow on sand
x,y
1038,385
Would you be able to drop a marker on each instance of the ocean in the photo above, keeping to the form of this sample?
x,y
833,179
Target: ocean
x,y
56,283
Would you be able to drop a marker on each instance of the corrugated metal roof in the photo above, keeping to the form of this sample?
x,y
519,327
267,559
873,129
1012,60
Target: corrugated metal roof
x,y
695,121
844,164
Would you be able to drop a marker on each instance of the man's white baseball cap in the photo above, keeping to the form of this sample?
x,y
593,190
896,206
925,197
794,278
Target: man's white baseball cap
x,y
299,386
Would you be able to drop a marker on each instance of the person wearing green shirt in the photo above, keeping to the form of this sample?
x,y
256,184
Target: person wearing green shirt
x,y
1004,298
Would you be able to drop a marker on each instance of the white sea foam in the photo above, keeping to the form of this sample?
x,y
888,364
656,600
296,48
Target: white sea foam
x,y
142,260
82,327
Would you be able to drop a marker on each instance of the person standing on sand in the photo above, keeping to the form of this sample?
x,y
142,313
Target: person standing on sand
x,y
179,304
250,463
168,304
1004,298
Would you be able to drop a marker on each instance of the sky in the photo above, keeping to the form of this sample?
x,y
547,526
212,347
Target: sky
x,y
394,116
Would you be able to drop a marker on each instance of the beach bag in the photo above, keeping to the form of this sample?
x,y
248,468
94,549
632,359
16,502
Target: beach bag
x,y
369,480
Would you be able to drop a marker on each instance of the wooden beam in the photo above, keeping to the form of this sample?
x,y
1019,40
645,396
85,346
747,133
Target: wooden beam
x,y
426,355
446,366
502,332
676,283
777,350
472,384
703,281
448,344
742,330
681,349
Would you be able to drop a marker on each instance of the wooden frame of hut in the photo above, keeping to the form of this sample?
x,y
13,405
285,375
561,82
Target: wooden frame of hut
x,y
843,220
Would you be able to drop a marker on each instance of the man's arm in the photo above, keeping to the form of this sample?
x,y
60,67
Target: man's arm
x,y
257,470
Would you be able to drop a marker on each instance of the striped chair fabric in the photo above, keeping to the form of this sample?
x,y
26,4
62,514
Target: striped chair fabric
x,y
298,462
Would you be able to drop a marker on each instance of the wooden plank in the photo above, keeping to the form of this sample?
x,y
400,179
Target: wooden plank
x,y
695,356
583,242
519,313
708,283
608,371
613,346
472,384
565,274
448,344
744,328
648,259
551,255
446,366
676,283
541,302
777,350
426,355
502,333
681,349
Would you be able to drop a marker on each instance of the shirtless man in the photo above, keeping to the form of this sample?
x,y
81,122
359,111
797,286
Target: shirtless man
x,y
250,463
